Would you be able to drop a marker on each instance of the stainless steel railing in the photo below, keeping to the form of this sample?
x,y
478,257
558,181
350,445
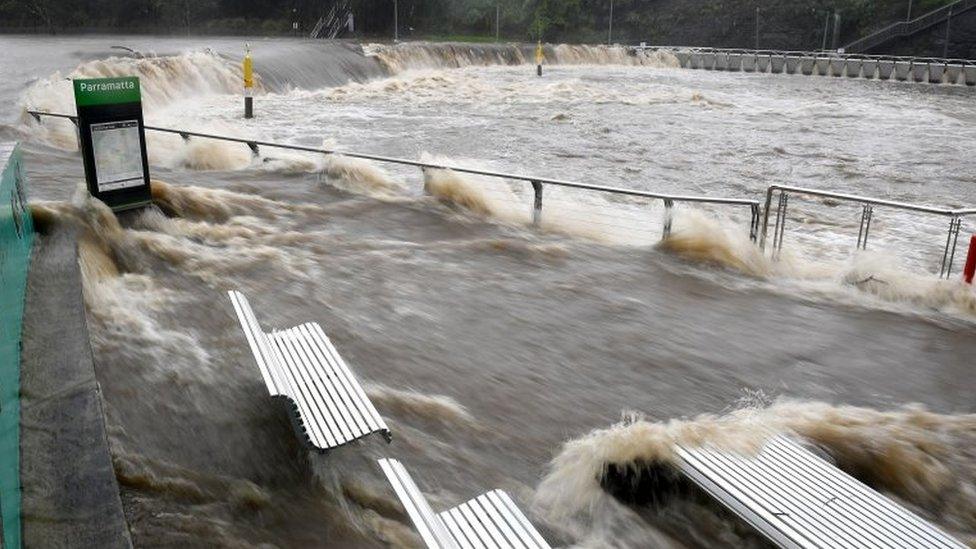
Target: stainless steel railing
x,y
805,53
907,28
759,215
867,212
536,182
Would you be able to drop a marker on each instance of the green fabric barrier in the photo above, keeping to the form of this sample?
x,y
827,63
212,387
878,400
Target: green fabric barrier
x,y
16,237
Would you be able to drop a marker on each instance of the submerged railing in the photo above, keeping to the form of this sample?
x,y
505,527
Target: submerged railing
x,y
867,212
757,212
536,182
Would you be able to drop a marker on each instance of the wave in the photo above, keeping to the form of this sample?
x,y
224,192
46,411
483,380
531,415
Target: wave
x,y
439,408
165,80
397,58
921,457
438,86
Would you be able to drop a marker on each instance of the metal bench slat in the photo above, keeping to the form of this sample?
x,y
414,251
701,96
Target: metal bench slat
x,y
809,514
354,388
785,535
336,390
324,387
485,539
517,521
321,433
849,526
886,510
798,500
302,365
489,521
307,396
855,503
499,524
358,410
455,529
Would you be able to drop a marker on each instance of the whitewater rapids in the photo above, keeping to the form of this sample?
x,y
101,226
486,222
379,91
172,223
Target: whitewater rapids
x,y
503,354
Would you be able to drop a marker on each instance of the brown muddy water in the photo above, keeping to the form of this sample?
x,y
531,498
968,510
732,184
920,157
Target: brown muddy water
x,y
502,355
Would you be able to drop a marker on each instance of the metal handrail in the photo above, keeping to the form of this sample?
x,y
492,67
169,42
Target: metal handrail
x,y
536,181
907,28
867,203
816,54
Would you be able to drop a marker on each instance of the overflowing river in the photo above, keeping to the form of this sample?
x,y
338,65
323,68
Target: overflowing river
x,y
504,355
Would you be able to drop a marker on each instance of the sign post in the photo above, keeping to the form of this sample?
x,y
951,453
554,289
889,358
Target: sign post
x,y
113,141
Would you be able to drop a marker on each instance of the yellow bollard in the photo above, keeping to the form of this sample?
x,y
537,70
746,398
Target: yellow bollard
x,y
539,57
248,83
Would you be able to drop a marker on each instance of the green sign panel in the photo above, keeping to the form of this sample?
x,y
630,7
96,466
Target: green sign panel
x,y
113,141
107,91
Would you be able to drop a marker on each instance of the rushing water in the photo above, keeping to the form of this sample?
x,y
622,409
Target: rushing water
x,y
502,355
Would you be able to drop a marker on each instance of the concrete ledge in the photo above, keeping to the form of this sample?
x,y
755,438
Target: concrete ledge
x,y
70,493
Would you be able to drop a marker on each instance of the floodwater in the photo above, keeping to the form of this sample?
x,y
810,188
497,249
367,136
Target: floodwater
x,y
503,355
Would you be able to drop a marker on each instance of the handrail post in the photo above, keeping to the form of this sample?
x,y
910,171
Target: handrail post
x,y
754,221
779,229
765,222
536,203
862,235
668,218
955,224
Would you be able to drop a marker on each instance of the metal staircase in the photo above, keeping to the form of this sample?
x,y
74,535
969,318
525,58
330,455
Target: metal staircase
x,y
332,24
908,28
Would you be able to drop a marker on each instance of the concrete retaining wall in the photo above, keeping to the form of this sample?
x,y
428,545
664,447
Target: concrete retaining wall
x,y
70,493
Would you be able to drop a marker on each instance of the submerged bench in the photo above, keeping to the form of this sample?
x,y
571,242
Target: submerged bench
x,y
300,364
798,500
488,521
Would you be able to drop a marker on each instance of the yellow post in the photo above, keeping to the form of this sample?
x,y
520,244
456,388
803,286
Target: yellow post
x,y
539,57
248,83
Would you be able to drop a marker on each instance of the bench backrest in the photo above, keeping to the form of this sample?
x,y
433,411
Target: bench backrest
x,y
428,524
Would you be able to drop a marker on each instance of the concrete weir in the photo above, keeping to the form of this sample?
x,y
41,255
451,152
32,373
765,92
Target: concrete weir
x,y
807,66
836,67
762,63
885,69
902,70
749,62
735,62
823,63
708,61
920,72
869,68
721,61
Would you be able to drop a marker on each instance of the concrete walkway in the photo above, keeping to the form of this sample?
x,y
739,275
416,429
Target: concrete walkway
x,y
70,494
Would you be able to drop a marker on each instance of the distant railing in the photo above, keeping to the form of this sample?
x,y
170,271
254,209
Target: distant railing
x,y
908,28
867,211
806,53
536,182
